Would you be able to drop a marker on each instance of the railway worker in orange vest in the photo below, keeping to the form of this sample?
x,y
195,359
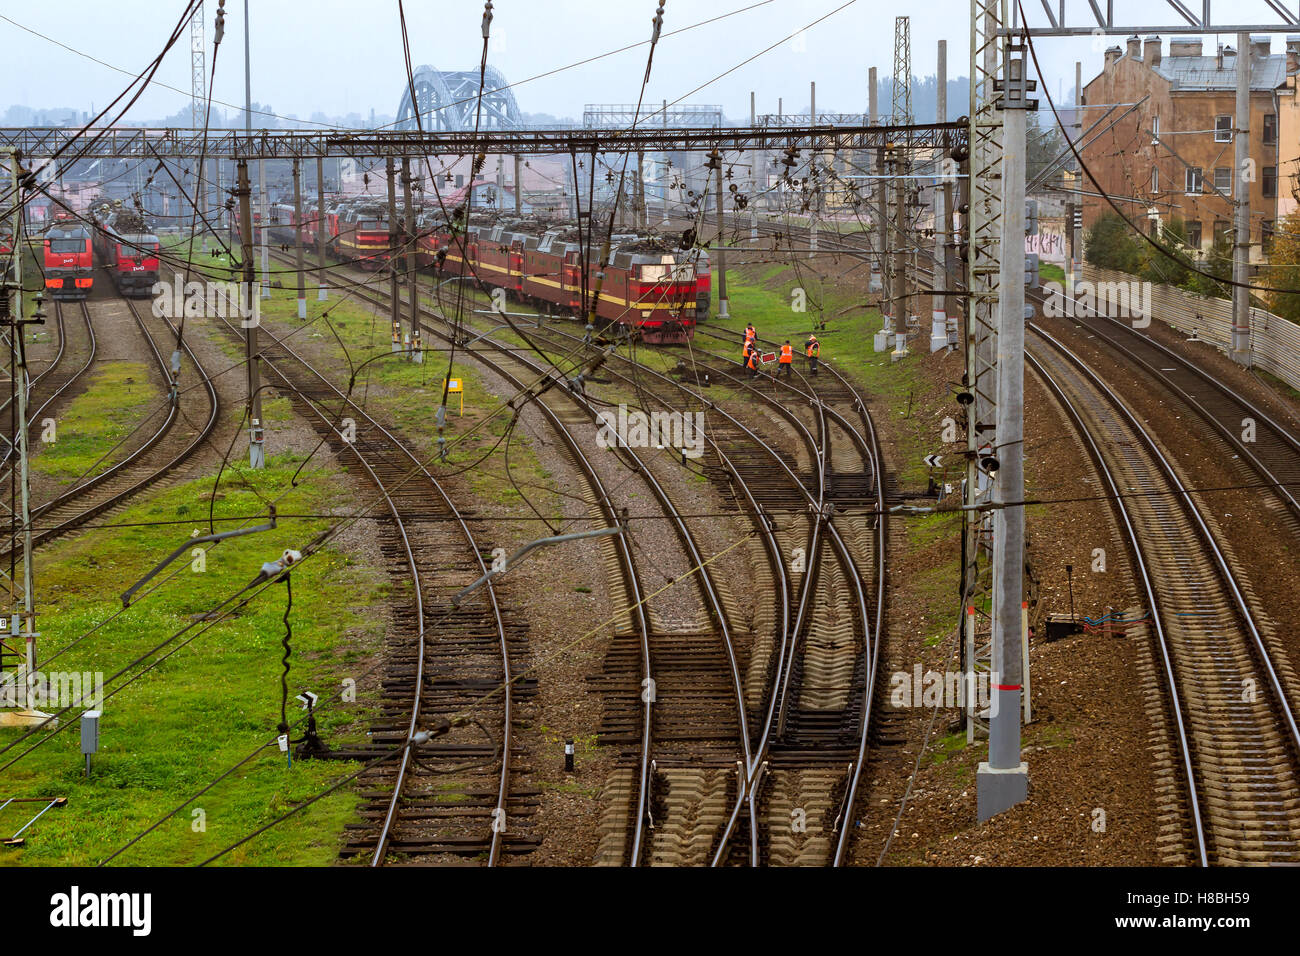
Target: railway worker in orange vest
x,y
813,349
752,364
744,352
750,334
787,359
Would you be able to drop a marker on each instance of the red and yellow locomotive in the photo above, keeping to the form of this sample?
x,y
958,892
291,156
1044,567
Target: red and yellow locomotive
x,y
648,287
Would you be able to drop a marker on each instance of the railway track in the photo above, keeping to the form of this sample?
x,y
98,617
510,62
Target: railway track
x,y
150,462
821,659
824,698
450,670
1274,452
1230,689
671,678
1229,686
74,356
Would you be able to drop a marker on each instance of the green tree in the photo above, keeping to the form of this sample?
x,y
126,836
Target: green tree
x,y
1284,276
1110,244
1218,263
1162,268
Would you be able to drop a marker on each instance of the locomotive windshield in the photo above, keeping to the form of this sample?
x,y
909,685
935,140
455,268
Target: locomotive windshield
x,y
67,245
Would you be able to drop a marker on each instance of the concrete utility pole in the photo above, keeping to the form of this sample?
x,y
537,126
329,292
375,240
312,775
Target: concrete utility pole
x,y
667,175
413,291
297,238
252,350
20,385
219,210
395,303
248,77
1241,248
638,193
942,202
756,160
722,254
261,164
1003,780
322,224
812,166
901,304
1075,246
519,183
877,184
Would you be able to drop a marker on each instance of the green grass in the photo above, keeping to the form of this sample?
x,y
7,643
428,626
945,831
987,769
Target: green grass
x,y
1051,273
117,399
213,702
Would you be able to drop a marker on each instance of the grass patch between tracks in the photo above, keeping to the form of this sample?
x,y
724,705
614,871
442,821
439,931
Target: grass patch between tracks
x,y
115,402
212,702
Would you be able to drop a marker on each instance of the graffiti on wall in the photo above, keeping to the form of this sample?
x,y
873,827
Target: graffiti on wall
x,y
1047,244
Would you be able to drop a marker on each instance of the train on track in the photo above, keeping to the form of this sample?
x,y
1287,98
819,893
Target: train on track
x,y
650,285
123,247
68,258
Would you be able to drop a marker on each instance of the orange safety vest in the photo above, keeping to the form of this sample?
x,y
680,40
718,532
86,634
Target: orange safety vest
x,y
753,359
787,354
749,335
813,347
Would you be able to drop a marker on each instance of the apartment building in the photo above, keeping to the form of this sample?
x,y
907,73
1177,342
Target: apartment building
x,y
1159,137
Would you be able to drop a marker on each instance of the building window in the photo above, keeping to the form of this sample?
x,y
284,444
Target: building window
x,y
460,180
1223,179
1270,129
1266,237
1269,182
1194,234
1193,180
1223,129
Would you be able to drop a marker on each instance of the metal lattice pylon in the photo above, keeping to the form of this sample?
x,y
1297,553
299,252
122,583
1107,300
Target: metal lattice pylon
x,y
983,265
198,81
902,71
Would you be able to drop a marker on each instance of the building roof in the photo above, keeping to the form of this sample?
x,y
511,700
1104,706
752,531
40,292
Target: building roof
x,y
1203,73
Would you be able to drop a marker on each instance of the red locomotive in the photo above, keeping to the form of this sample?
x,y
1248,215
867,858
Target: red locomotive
x,y
69,259
703,286
128,252
648,286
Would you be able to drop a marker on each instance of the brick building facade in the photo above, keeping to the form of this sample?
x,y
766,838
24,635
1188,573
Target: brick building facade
x,y
1164,148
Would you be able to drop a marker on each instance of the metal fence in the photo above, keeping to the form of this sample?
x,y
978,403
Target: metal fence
x,y
1275,341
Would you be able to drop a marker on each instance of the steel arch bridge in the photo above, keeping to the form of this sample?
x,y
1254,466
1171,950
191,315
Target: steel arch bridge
x,y
448,101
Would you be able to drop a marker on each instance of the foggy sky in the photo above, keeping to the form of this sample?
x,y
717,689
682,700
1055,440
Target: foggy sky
x,y
337,57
